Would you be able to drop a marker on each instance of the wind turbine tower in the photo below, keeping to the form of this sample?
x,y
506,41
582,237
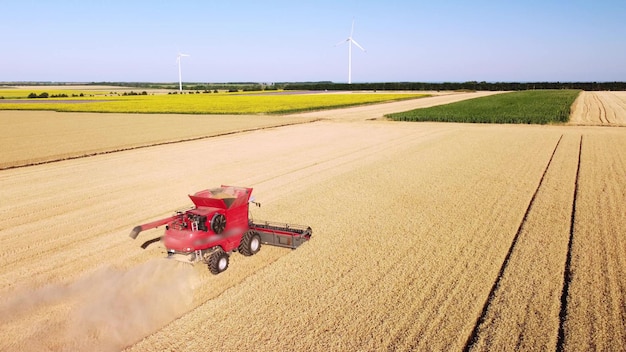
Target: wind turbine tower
x,y
350,41
180,77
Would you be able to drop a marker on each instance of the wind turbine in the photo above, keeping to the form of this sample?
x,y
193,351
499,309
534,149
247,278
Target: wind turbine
x,y
180,77
350,41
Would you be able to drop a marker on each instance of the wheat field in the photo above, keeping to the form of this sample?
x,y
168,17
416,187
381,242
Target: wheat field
x,y
426,236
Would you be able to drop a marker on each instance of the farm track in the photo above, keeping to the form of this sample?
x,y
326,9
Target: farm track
x,y
412,224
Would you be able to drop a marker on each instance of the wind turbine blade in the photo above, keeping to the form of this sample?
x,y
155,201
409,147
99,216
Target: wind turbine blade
x,y
342,42
357,44
352,30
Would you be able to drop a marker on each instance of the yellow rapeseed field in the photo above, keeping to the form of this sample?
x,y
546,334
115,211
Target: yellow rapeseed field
x,y
221,103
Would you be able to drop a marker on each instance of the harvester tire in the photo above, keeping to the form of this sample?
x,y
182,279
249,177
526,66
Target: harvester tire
x,y
250,243
218,261
218,223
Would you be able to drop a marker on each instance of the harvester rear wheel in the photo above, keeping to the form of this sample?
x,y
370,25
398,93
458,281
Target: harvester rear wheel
x,y
250,243
218,261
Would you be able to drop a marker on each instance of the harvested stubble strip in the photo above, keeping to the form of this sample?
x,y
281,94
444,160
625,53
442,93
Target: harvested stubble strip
x,y
400,256
524,312
596,304
599,108
42,136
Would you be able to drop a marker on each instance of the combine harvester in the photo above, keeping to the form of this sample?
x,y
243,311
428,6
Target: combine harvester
x,y
218,225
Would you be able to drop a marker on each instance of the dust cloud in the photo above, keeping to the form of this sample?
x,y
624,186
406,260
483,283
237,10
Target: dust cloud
x,y
105,310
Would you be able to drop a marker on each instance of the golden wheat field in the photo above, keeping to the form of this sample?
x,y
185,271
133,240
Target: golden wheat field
x,y
426,236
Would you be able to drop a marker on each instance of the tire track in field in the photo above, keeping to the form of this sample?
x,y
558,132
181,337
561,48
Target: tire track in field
x,y
596,311
601,109
567,273
473,337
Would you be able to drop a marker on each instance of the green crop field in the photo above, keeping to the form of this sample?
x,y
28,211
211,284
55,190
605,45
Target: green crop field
x,y
527,107
220,103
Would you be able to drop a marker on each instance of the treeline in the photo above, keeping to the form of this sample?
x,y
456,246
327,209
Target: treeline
x,y
204,87
410,86
45,95
473,85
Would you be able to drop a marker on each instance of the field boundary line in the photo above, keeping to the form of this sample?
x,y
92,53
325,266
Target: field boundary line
x,y
141,146
473,337
567,273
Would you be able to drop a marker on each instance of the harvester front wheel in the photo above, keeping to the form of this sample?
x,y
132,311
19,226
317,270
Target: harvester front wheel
x,y
250,243
218,261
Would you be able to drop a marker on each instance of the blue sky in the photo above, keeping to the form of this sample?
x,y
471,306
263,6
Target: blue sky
x,y
278,41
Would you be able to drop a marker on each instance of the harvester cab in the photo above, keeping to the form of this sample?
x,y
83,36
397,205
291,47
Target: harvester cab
x,y
219,224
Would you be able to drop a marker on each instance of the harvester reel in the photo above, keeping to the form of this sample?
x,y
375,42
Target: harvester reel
x,y
218,223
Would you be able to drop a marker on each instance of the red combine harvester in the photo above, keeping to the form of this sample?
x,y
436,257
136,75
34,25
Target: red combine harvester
x,y
217,225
